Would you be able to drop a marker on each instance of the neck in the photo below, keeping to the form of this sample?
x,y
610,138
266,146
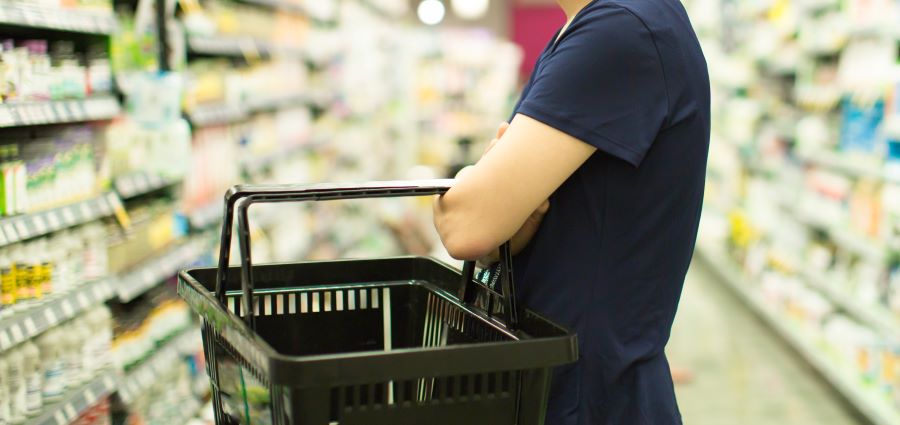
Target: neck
x,y
572,7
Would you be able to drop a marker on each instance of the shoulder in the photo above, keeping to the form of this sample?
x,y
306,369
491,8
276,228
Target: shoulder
x,y
611,25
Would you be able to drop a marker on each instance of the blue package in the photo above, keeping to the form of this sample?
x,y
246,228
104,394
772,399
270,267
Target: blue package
x,y
861,125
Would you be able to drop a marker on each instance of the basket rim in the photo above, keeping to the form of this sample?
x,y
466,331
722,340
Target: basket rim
x,y
364,366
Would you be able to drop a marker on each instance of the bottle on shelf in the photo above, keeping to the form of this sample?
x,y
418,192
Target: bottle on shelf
x,y
16,368
5,402
34,378
50,347
71,354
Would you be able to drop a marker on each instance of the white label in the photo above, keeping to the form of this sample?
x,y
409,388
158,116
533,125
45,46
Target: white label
x,y
3,240
60,418
90,397
10,231
85,210
83,300
15,332
30,327
37,112
67,309
147,278
22,229
6,117
70,411
39,224
53,219
68,216
50,316
4,340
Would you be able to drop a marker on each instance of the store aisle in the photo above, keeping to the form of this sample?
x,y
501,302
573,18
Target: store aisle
x,y
742,374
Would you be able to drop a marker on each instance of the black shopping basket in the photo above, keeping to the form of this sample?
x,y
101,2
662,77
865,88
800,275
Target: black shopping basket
x,y
393,341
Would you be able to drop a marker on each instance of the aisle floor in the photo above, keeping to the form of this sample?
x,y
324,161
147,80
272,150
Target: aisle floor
x,y
742,375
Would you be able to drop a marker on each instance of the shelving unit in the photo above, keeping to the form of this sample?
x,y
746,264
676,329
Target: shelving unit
x,y
76,401
58,111
155,270
24,227
29,16
145,374
34,319
877,318
141,183
867,401
242,47
219,114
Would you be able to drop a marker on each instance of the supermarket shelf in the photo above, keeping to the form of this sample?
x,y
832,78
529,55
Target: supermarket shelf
x,y
76,401
32,320
145,374
60,19
255,165
207,215
282,5
851,165
218,114
242,47
141,183
155,270
23,227
58,111
875,317
868,403
862,246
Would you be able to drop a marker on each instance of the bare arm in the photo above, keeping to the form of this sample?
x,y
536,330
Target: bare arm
x,y
491,200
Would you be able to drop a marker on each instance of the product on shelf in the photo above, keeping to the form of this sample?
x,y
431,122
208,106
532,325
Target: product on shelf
x,y
142,326
34,269
41,70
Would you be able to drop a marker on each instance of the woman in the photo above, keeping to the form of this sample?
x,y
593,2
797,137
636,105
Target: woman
x,y
598,179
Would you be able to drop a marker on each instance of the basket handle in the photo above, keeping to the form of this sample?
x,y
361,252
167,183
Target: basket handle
x,y
239,198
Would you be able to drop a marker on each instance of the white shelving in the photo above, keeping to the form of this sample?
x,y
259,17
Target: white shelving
x,y
144,375
220,114
245,47
36,318
141,183
27,226
876,317
872,405
76,401
155,270
59,111
56,18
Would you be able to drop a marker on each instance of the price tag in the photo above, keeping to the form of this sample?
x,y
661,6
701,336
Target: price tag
x,y
60,418
4,340
79,111
68,216
49,112
39,224
50,316
53,219
22,229
60,111
83,300
67,309
6,117
30,327
15,15
36,112
25,114
3,240
70,411
90,397
10,231
16,332
85,211
31,17
97,290
108,383
147,278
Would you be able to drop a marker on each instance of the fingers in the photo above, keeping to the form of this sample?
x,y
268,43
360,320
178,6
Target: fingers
x,y
543,208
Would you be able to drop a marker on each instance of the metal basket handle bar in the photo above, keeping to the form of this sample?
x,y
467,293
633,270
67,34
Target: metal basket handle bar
x,y
241,197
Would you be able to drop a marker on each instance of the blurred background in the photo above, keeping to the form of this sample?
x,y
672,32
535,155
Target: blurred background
x,y
123,122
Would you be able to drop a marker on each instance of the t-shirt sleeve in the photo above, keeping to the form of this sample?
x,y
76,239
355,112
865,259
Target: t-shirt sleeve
x,y
604,85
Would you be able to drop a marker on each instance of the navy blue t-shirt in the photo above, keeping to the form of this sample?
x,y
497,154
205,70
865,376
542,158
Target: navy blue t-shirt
x,y
629,78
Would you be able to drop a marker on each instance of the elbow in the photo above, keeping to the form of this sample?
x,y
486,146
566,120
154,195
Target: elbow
x,y
467,247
